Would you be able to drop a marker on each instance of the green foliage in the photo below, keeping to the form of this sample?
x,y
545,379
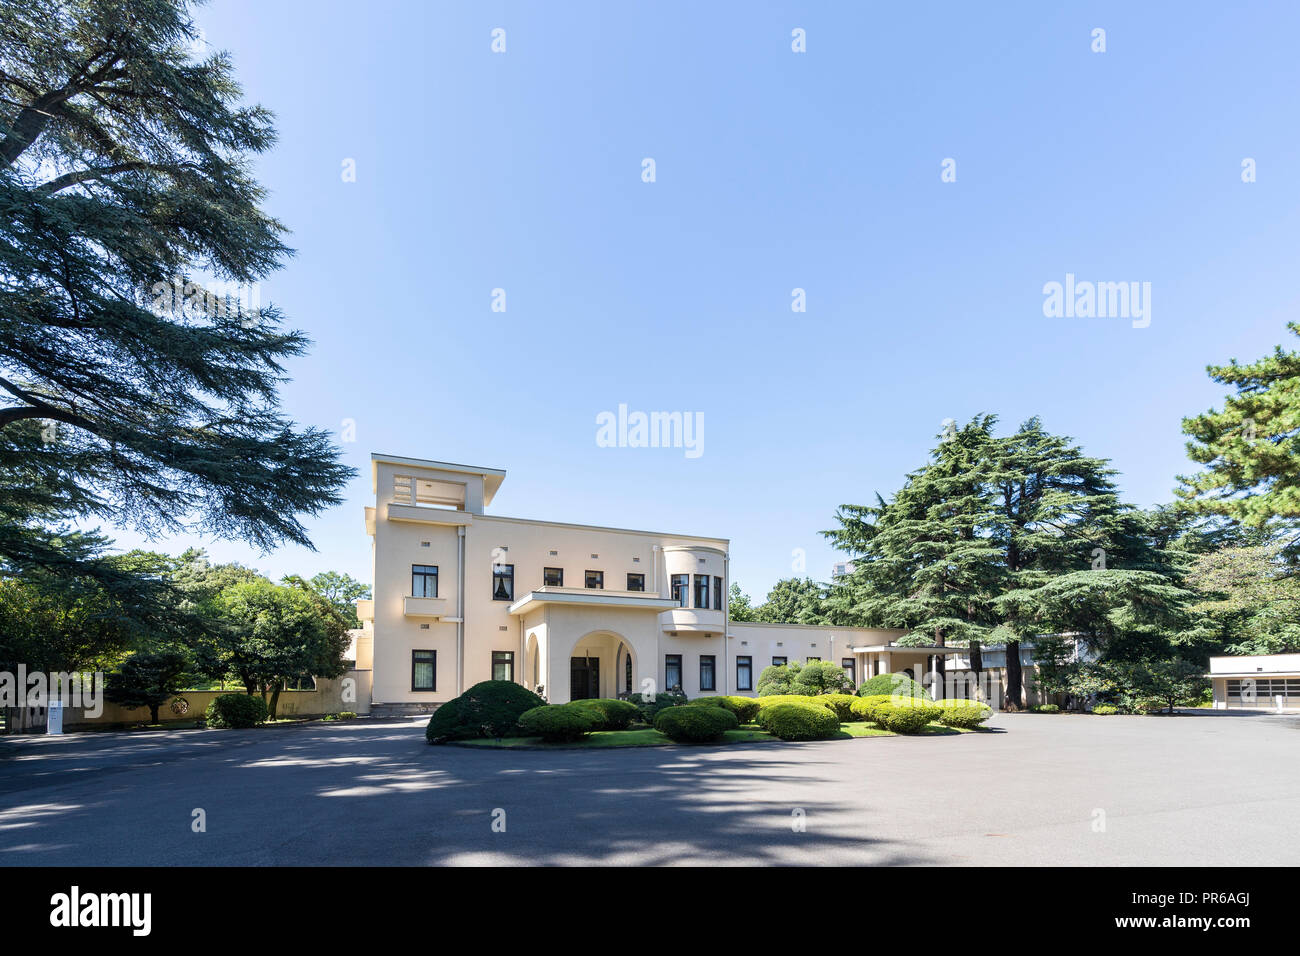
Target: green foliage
x,y
612,714
899,685
770,699
1251,595
695,724
1045,709
1251,449
738,605
821,677
1105,709
778,679
795,720
745,708
558,723
126,176
861,708
490,708
794,601
147,679
342,591
235,711
963,713
651,705
872,701
905,715
842,705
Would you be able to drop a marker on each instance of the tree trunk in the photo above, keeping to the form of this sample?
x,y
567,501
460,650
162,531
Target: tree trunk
x,y
1014,680
977,668
153,713
275,702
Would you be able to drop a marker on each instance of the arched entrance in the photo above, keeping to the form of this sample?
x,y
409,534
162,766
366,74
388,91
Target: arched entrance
x,y
598,666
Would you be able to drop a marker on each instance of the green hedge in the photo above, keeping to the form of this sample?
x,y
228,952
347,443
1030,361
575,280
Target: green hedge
x,y
612,714
1046,709
842,705
695,724
868,705
490,708
795,720
1105,710
650,709
787,699
745,708
559,723
235,711
964,713
893,685
906,716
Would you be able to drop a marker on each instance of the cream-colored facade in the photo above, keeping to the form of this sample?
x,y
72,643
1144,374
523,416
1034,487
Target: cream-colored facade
x,y
568,610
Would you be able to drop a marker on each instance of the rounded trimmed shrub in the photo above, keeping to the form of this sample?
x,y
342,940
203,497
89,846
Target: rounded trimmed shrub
x,y
963,713
786,699
235,711
613,714
892,685
693,725
860,709
650,709
745,708
869,704
559,723
490,708
1046,709
1105,710
793,720
842,705
906,716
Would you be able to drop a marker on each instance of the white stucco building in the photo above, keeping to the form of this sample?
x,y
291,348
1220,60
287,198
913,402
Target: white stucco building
x,y
568,610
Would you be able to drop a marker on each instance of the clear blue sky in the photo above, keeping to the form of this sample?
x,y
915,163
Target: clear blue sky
x,y
775,170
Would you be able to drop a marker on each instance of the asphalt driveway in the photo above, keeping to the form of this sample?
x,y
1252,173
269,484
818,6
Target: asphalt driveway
x,y
1200,790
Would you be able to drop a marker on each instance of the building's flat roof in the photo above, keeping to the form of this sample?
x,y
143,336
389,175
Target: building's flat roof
x,y
492,477
596,527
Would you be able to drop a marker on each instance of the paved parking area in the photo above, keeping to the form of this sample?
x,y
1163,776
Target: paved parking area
x,y
1203,790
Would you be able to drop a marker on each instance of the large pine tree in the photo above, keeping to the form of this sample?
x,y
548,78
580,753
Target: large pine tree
x,y
129,392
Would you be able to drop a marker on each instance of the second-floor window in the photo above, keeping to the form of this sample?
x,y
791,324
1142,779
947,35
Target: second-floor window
x,y
702,591
681,589
424,580
635,582
596,579
503,582
717,594
553,577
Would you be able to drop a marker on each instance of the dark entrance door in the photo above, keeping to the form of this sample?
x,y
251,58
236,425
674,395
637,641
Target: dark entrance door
x,y
584,678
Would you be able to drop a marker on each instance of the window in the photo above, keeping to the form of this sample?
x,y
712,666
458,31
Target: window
x,y
680,587
672,671
850,668
503,582
628,667
424,580
702,590
424,670
707,662
553,577
811,659
635,582
744,673
717,595
596,579
778,662
503,665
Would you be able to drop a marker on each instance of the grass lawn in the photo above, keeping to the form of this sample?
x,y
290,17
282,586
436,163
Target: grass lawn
x,y
649,737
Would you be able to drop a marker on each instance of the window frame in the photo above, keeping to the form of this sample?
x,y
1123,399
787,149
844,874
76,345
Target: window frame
x,y
682,582
712,662
600,580
426,575
548,584
850,667
748,661
718,603
672,660
640,576
704,580
783,661
509,661
433,670
498,574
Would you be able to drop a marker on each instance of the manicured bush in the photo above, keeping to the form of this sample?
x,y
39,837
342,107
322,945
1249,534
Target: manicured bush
x,y
612,714
778,679
695,724
490,708
235,711
842,705
559,723
745,708
821,677
794,720
963,713
906,715
786,699
650,709
868,705
1046,709
894,685
861,709
1105,710
347,715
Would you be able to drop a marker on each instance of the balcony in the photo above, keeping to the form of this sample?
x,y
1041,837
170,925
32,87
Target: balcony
x,y
424,607
689,620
